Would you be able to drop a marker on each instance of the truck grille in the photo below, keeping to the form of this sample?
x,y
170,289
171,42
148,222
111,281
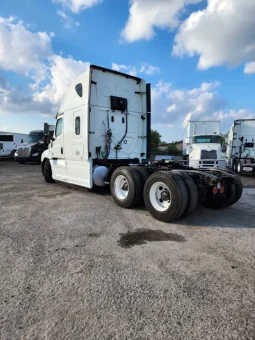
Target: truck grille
x,y
208,154
24,152
208,163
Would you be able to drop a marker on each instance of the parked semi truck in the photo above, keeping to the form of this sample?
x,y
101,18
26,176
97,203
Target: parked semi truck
x,y
202,145
102,137
9,142
240,153
37,142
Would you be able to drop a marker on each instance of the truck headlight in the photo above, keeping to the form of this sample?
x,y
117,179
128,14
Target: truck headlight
x,y
35,154
16,154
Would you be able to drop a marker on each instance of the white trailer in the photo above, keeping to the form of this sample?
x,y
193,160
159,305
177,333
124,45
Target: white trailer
x,y
102,137
9,142
202,146
240,153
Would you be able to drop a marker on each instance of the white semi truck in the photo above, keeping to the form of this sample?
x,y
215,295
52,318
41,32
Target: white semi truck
x,y
240,153
102,137
202,146
9,142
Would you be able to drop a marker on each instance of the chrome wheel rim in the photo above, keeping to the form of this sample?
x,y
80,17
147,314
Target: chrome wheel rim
x,y
121,187
160,196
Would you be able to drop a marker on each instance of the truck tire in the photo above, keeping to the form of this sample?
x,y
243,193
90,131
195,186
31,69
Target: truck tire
x,y
158,188
212,201
230,195
192,192
238,185
234,166
218,202
142,173
47,173
239,168
183,190
126,187
22,162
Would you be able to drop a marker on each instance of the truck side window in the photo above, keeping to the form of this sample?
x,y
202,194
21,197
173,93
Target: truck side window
x,y
21,141
78,89
59,127
77,125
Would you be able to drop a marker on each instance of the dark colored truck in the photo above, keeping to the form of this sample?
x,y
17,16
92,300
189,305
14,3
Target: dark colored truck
x,y
37,143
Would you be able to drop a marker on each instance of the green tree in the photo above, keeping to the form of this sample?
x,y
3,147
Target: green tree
x,y
222,139
173,151
155,138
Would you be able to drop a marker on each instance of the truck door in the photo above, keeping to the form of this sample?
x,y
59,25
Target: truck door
x,y
57,149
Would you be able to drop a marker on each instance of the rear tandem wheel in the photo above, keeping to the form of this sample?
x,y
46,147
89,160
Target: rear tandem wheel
x,y
126,187
165,196
233,193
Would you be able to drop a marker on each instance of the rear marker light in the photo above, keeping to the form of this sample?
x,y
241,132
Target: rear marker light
x,y
215,190
222,189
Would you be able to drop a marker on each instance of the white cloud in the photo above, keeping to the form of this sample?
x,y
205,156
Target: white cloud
x,y
3,128
170,105
31,54
221,34
68,21
146,15
61,73
21,50
77,6
249,68
234,114
149,69
125,69
145,68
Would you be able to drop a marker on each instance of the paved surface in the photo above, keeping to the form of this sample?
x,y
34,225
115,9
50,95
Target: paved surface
x,y
73,265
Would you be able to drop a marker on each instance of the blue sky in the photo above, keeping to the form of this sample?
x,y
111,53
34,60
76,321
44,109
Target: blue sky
x,y
199,58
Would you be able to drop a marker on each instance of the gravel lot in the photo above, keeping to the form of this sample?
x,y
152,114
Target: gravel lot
x,y
73,265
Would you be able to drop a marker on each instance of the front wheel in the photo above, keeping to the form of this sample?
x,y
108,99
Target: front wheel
x,y
47,172
239,168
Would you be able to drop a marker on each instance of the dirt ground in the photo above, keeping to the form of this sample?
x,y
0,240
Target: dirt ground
x,y
73,265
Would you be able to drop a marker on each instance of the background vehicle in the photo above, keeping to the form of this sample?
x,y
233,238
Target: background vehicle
x,y
202,145
102,136
37,142
240,153
9,142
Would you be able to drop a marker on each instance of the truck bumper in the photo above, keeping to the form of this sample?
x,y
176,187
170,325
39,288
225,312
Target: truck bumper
x,y
207,164
246,169
31,159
